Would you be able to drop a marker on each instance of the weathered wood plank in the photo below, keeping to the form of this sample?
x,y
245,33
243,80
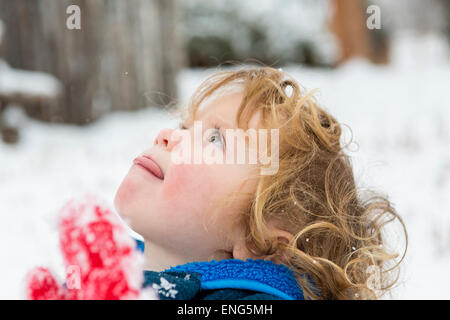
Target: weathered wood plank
x,y
125,56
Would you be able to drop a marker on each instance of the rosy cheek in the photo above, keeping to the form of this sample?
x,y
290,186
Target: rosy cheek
x,y
195,180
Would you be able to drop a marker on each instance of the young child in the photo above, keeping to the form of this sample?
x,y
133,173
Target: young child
x,y
228,230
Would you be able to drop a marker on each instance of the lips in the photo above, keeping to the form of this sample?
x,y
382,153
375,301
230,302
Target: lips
x,y
150,165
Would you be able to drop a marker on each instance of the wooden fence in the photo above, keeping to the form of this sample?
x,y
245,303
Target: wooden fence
x,y
124,57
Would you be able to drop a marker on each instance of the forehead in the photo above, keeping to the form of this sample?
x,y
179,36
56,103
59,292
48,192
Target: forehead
x,y
224,109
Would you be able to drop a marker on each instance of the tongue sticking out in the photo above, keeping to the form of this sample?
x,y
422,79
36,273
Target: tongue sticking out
x,y
150,165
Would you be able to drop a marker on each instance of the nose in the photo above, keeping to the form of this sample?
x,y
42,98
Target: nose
x,y
165,139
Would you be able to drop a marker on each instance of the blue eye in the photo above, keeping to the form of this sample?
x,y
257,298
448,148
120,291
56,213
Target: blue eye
x,y
216,138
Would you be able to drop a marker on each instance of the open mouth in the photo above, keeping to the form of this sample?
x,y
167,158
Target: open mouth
x,y
150,165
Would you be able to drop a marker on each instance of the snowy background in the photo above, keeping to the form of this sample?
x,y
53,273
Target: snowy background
x,y
399,115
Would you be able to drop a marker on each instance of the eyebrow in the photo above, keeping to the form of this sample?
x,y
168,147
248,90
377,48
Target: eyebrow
x,y
221,121
185,123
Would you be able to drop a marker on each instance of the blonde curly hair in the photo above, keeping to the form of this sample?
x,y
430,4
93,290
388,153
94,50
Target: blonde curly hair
x,y
338,240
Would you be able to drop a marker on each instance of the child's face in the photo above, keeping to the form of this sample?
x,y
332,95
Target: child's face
x,y
176,212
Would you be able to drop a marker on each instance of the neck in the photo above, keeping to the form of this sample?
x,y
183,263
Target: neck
x,y
158,258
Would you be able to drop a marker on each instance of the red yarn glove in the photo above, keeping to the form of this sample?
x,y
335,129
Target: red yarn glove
x,y
99,254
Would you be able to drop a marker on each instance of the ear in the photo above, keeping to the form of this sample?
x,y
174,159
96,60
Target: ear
x,y
241,252
279,236
276,233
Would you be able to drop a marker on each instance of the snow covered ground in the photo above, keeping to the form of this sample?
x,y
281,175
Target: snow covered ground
x,y
399,116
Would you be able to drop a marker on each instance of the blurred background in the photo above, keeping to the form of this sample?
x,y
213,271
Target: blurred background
x,y
85,89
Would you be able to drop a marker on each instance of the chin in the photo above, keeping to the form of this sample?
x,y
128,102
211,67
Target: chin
x,y
128,202
124,197
124,208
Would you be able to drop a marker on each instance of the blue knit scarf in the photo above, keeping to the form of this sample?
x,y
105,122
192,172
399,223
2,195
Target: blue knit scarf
x,y
252,274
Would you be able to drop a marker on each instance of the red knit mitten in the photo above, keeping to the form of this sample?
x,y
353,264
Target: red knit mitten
x,y
99,254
